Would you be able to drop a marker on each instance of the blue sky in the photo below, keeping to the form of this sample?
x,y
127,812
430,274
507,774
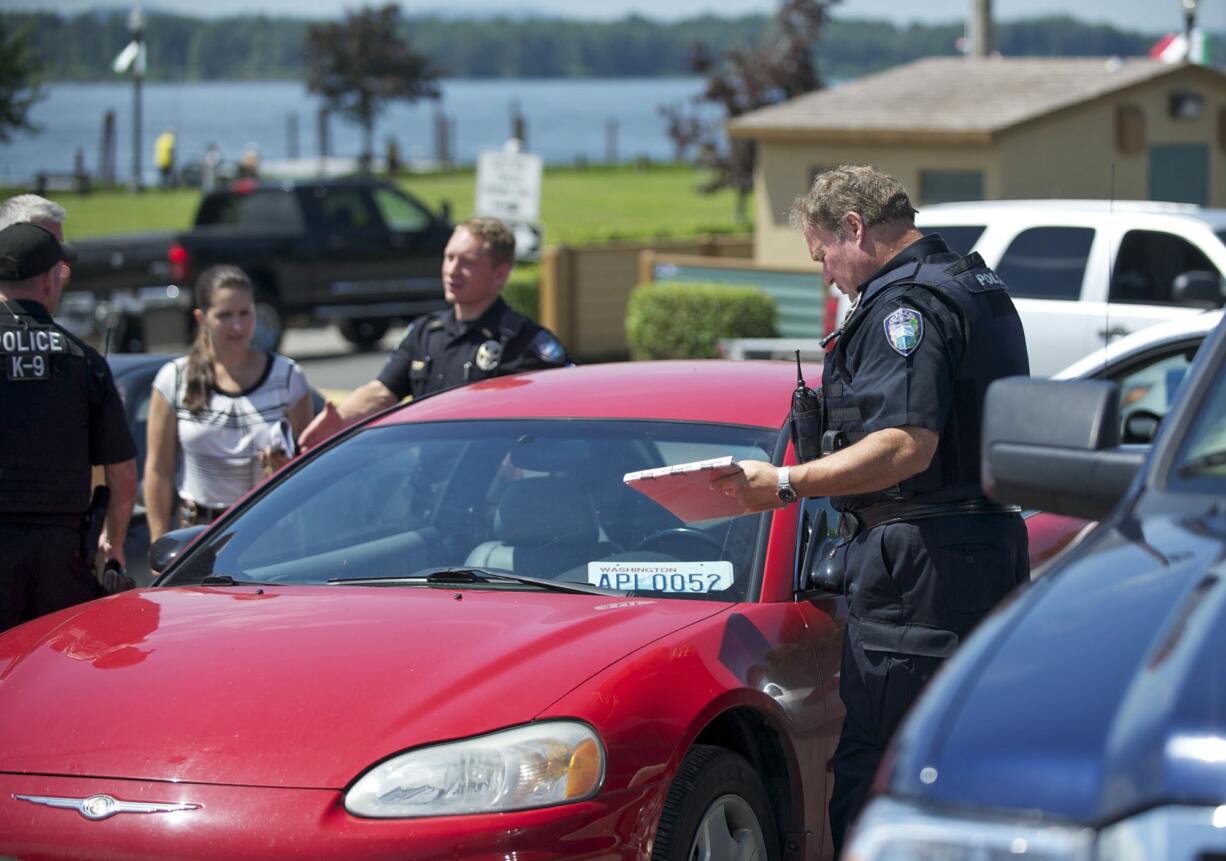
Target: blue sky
x,y
1145,15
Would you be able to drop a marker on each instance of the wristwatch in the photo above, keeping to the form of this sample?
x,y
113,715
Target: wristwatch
x,y
787,493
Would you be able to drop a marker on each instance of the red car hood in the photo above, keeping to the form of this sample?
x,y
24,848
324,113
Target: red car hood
x,y
297,686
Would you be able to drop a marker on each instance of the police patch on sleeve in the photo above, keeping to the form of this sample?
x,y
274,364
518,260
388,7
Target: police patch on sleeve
x,y
904,329
548,347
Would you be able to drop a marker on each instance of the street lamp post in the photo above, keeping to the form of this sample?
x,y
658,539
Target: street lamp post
x,y
136,23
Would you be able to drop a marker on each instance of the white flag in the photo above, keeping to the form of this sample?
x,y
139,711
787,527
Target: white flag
x,y
1176,48
126,56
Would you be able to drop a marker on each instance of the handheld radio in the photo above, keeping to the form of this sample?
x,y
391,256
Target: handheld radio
x,y
805,419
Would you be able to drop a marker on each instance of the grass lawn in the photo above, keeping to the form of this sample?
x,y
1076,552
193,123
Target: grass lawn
x,y
598,203
577,205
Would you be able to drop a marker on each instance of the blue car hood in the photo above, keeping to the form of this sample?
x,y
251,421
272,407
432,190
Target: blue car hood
x,y
1099,691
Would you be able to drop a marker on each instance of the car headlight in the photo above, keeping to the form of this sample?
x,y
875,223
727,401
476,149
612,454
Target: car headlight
x,y
538,765
890,830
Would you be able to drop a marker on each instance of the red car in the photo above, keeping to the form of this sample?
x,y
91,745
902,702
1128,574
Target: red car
x,y
408,645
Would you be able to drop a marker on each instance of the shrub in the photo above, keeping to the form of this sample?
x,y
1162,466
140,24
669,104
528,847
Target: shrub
x,y
523,289
686,321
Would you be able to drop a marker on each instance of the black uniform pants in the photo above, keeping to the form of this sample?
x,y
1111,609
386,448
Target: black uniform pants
x,y
41,571
914,590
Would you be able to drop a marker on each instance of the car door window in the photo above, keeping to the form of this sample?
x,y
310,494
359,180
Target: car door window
x,y
1047,262
1151,385
271,208
1148,263
347,211
399,213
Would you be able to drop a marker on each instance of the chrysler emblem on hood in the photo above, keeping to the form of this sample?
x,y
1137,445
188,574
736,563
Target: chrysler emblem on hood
x,y
104,806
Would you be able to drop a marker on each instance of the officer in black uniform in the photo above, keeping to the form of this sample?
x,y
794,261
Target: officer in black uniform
x,y
926,556
477,338
61,414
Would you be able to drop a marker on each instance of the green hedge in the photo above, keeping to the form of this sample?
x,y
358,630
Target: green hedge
x,y
523,289
686,321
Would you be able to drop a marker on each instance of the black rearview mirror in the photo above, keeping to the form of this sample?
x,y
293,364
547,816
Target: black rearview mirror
x,y
821,571
168,547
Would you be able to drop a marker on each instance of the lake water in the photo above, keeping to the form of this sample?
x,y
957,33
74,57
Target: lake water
x,y
567,120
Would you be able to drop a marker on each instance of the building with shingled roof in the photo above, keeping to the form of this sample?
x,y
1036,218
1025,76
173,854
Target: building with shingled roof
x,y
953,128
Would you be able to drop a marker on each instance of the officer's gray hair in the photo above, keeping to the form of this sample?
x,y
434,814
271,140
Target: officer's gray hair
x,y
496,238
876,196
32,208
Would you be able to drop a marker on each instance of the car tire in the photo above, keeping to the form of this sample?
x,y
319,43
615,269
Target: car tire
x,y
269,325
716,808
363,334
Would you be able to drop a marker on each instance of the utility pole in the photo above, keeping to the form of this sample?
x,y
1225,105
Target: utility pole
x,y
979,37
1189,25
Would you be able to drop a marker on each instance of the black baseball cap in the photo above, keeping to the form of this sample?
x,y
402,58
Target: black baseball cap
x,y
28,250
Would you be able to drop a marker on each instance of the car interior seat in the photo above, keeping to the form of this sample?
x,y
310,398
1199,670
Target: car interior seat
x,y
542,527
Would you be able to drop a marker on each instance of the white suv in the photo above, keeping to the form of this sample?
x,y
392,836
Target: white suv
x,y
1084,272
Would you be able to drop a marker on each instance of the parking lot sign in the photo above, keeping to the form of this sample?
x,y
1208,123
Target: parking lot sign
x,y
509,185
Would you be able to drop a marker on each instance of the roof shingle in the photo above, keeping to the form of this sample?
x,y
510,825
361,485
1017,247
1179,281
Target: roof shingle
x,y
951,96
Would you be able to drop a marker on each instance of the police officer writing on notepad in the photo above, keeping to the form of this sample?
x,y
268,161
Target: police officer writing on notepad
x,y
60,414
926,555
477,338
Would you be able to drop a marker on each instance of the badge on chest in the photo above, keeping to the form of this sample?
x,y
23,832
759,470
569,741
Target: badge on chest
x,y
489,354
27,351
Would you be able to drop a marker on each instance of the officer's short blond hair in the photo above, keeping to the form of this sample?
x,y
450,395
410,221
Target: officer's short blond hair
x,y
496,238
876,196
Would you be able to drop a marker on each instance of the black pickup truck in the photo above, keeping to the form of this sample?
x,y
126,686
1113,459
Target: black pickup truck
x,y
356,252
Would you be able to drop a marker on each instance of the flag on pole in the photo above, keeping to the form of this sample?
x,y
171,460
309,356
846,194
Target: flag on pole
x,y
130,53
1175,48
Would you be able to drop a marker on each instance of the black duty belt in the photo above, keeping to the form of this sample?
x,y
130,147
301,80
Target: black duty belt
x,y
851,523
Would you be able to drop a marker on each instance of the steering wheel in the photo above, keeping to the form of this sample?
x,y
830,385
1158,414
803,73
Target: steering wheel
x,y
659,540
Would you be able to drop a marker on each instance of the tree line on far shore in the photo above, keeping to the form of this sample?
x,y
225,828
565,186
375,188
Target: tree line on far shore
x,y
82,47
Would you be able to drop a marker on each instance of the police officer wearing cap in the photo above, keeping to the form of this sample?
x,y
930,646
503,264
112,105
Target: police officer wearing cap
x,y
925,555
61,414
477,338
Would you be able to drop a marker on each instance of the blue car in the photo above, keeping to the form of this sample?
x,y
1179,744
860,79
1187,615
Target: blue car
x,y
134,373
1086,718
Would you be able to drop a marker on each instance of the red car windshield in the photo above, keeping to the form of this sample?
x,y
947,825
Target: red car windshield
x,y
534,498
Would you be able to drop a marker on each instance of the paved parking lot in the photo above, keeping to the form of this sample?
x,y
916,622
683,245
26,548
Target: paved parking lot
x,y
329,361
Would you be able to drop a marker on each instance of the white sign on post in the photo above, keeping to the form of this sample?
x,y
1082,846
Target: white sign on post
x,y
509,185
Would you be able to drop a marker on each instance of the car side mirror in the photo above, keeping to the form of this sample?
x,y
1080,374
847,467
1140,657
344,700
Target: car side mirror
x,y
1140,426
168,548
444,212
1053,445
822,574
1198,289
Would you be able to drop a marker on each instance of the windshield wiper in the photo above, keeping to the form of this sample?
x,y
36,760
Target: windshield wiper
x,y
222,580
468,575
1196,464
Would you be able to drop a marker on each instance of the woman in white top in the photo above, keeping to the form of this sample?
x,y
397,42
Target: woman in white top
x,y
223,405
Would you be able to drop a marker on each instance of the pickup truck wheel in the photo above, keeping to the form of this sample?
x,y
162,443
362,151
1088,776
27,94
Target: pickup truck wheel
x,y
716,808
363,334
268,324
